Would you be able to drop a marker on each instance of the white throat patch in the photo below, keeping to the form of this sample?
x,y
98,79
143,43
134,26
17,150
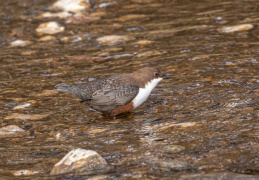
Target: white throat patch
x,y
144,92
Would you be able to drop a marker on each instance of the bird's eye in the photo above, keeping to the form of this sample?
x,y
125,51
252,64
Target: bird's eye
x,y
156,74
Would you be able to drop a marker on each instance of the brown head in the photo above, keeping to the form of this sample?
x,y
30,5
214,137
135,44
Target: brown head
x,y
145,75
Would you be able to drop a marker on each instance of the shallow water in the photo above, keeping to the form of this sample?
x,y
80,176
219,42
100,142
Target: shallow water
x,y
207,106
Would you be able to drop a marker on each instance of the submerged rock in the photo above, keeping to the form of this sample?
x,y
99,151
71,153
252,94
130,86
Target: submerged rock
x,y
85,59
170,165
82,19
131,17
20,43
49,28
148,54
235,28
144,42
70,5
33,117
22,106
170,149
11,131
24,172
47,93
219,175
184,125
81,161
47,38
54,15
114,39
28,53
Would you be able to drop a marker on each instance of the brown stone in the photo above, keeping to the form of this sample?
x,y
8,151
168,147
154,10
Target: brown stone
x,y
11,131
114,39
131,17
47,93
33,117
148,54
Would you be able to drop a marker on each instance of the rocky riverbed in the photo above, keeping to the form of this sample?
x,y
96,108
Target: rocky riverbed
x,y
201,122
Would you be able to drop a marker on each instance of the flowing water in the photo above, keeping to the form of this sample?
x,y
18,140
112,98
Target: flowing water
x,y
200,121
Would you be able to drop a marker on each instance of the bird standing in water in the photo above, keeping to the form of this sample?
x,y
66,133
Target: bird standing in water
x,y
117,94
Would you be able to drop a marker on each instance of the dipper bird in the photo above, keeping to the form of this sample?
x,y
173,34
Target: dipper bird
x,y
116,94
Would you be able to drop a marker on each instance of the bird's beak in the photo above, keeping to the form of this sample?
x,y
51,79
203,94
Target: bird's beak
x,y
162,75
166,76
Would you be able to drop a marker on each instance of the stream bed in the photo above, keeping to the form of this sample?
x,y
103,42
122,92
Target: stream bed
x,y
200,122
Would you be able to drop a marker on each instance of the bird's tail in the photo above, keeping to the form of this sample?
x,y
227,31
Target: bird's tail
x,y
66,88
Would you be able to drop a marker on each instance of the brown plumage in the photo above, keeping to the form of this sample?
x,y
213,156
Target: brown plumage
x,y
114,94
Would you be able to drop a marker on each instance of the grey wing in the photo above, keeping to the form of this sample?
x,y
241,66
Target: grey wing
x,y
119,95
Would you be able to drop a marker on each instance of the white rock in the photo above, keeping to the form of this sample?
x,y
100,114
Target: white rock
x,y
10,131
114,39
236,28
53,15
75,155
20,43
49,28
187,124
79,160
70,5
21,106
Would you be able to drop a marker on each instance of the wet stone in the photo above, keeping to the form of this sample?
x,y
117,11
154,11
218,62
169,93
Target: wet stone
x,y
46,60
81,19
148,54
22,106
49,28
236,28
115,49
20,43
170,149
187,124
114,39
131,17
47,38
11,131
24,172
85,59
28,53
47,93
95,131
55,15
219,175
10,91
170,165
75,6
144,42
80,161
33,117
73,39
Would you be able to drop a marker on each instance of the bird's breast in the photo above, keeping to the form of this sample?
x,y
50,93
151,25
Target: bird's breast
x,y
145,92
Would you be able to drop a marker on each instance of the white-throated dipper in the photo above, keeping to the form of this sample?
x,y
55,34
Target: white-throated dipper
x,y
116,94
